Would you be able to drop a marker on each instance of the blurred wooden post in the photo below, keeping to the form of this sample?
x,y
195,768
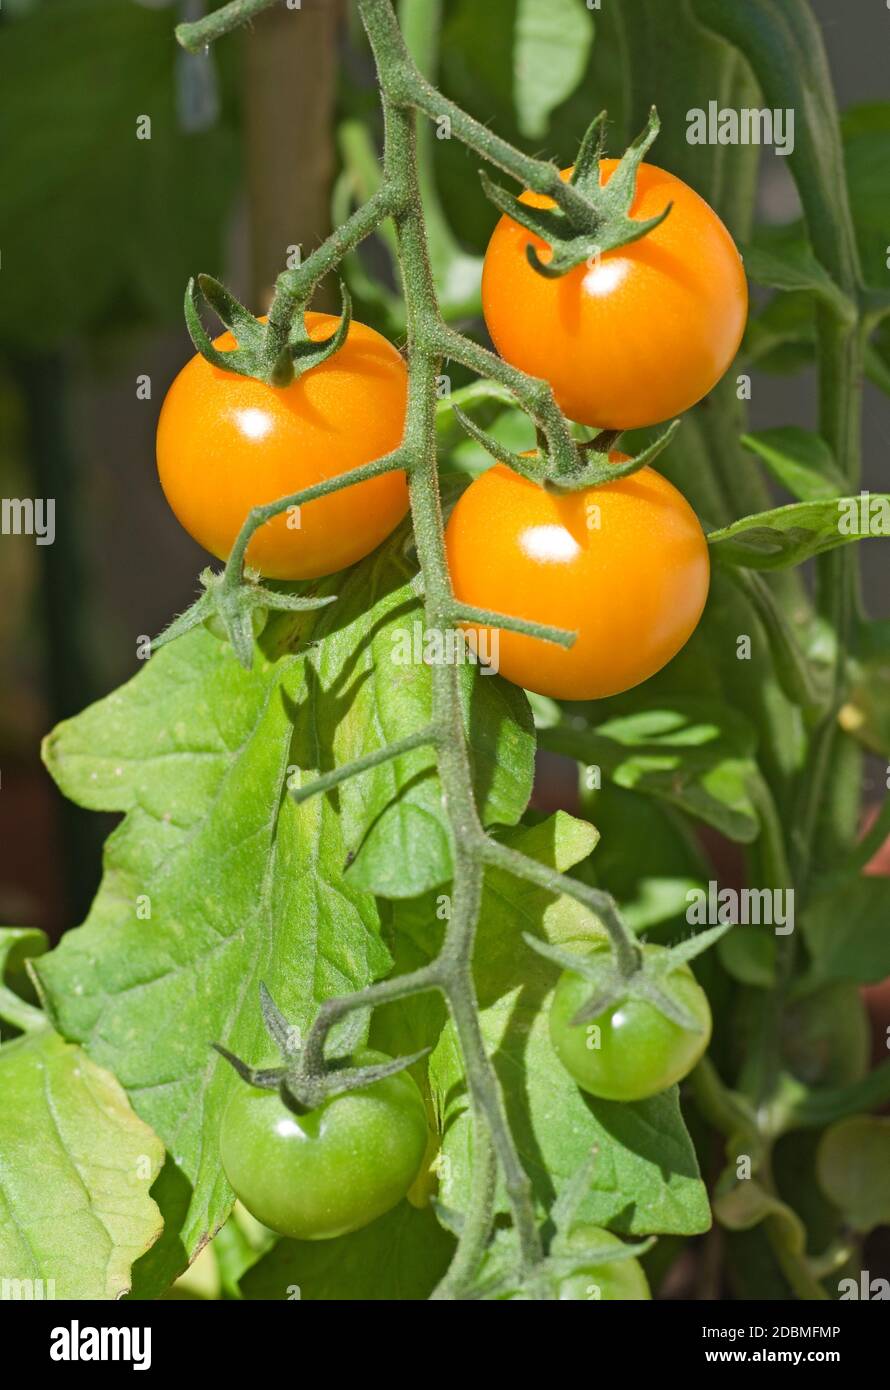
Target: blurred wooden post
x,y
290,73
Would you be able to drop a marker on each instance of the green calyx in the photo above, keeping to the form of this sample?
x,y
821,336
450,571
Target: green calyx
x,y
581,228
276,352
236,612
301,1086
591,465
615,980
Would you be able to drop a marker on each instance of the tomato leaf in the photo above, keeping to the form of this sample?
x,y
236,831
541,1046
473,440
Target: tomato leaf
x,y
853,1165
845,927
749,956
790,535
789,264
155,1271
77,1164
217,880
695,754
213,881
866,133
398,1258
746,1204
800,460
17,945
551,46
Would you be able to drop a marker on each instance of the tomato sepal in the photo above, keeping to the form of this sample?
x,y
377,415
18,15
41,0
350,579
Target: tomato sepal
x,y
241,323
236,613
239,360
270,352
302,353
604,465
601,470
301,1083
522,464
583,229
285,1037
613,984
337,1080
263,1078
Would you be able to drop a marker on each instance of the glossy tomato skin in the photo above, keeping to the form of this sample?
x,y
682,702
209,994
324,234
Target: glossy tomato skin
x,y
638,337
631,1051
625,565
332,1170
618,1280
227,443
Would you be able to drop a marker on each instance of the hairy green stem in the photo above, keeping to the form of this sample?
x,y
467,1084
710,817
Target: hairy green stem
x,y
386,754
383,992
476,1227
467,613
198,35
294,287
534,395
258,516
407,86
455,772
627,951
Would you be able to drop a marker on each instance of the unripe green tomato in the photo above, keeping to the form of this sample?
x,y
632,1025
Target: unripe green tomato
x,y
631,1051
332,1170
618,1279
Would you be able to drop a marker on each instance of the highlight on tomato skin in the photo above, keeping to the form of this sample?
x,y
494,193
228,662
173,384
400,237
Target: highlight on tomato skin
x,y
641,334
624,565
227,443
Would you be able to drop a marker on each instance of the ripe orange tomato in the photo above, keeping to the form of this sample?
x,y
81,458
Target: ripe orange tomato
x,y
227,443
625,565
641,335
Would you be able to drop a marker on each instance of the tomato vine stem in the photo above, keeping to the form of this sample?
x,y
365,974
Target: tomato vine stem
x,y
258,516
385,754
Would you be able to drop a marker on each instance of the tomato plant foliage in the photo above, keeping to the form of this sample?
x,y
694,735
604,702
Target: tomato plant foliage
x,y
321,805
78,1163
238,885
241,884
